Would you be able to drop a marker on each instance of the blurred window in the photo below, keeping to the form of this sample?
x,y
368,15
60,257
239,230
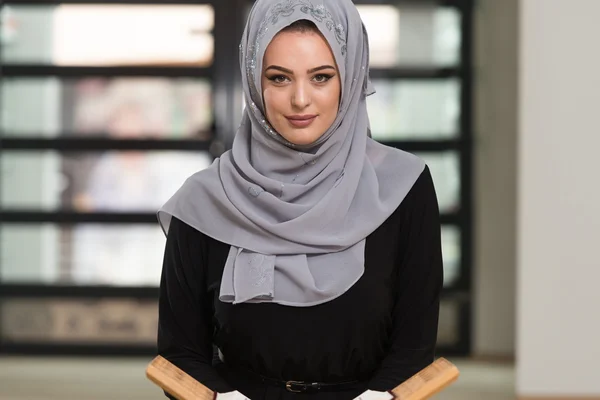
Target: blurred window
x,y
451,254
84,84
445,171
404,109
96,321
128,108
412,34
119,181
100,34
82,254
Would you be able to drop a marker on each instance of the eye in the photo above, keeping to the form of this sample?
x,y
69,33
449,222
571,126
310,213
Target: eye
x,y
278,78
322,78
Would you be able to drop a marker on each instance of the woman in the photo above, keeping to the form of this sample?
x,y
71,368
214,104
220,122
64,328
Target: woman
x,y
307,257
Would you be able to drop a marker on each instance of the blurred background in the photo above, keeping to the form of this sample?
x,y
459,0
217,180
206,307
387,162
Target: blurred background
x,y
107,107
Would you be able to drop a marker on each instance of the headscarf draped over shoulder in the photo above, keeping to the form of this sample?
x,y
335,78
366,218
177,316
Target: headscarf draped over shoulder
x,y
296,217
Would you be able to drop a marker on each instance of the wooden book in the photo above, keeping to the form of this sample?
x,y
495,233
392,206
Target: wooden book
x,y
424,384
176,382
427,382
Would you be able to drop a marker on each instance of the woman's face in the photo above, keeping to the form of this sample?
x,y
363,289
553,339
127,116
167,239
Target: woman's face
x,y
301,86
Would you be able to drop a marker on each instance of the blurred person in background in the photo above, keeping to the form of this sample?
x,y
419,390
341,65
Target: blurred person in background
x,y
305,262
127,181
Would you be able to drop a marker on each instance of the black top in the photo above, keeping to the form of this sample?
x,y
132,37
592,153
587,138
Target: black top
x,y
380,332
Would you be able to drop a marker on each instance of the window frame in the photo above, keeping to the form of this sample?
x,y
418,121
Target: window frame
x,y
225,80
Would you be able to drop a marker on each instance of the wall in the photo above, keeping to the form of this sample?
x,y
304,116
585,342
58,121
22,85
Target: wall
x,y
558,319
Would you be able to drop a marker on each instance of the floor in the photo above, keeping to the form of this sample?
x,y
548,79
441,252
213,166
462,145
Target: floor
x,y
120,378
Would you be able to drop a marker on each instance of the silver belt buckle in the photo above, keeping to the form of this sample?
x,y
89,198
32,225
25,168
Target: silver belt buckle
x,y
289,386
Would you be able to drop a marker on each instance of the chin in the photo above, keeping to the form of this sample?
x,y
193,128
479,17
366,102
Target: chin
x,y
301,139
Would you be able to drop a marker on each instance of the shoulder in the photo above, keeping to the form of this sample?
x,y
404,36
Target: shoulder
x,y
420,200
186,235
423,186
181,232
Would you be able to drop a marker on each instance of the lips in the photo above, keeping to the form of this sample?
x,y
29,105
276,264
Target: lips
x,y
301,121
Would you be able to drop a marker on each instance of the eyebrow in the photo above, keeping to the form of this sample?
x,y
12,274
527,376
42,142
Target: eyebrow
x,y
310,71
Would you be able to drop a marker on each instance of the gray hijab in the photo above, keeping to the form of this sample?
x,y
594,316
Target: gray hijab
x,y
296,217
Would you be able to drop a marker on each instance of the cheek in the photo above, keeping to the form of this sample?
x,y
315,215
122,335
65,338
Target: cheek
x,y
331,100
272,99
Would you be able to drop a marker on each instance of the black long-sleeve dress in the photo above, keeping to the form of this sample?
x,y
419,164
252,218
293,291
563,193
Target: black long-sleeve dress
x,y
380,332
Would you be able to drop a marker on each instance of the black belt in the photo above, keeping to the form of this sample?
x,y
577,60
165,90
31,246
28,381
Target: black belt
x,y
304,387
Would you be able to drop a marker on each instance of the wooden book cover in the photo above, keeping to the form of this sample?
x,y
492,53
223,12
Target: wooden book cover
x,y
427,382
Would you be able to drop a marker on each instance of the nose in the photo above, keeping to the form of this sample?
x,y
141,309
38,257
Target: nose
x,y
301,96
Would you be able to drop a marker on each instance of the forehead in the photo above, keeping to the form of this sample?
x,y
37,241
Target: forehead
x,y
299,47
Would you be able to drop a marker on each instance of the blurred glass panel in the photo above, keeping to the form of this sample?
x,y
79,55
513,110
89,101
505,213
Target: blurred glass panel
x,y
412,35
445,170
71,34
451,254
29,253
449,323
150,108
79,321
89,182
86,254
420,109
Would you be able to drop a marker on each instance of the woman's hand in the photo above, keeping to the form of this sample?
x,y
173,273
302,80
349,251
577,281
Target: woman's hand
x,y
231,396
374,395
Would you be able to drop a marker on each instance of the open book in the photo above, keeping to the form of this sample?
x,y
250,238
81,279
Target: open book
x,y
424,384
